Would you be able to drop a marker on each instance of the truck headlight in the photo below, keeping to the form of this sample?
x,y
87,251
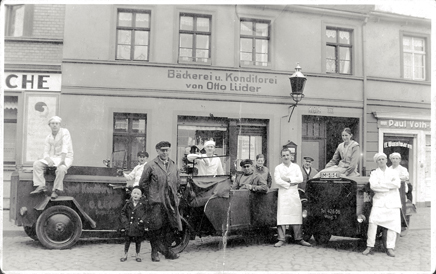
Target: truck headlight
x,y
23,211
361,218
304,213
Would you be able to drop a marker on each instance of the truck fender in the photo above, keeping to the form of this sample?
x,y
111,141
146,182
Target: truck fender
x,y
62,200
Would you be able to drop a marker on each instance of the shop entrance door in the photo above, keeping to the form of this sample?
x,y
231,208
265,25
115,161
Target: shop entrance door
x,y
321,135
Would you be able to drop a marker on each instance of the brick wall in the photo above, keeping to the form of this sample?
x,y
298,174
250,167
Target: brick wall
x,y
48,21
31,52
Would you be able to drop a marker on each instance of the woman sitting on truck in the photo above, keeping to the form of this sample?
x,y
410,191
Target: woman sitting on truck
x,y
346,157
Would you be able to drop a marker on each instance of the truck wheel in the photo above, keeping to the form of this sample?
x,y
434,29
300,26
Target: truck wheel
x,y
322,238
179,240
307,236
31,232
58,227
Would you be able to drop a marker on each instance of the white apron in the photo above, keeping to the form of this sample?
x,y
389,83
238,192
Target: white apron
x,y
288,204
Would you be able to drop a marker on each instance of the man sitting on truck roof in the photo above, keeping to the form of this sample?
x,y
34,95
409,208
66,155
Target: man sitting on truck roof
x,y
249,180
58,152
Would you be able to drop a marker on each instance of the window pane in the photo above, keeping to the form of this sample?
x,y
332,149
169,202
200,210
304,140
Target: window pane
x,y
263,58
345,67
407,43
246,28
330,65
121,124
246,56
202,53
17,21
124,37
408,59
203,24
203,41
330,52
418,44
142,20
140,53
123,52
408,72
186,40
125,19
344,53
10,131
141,37
262,29
330,36
138,125
185,52
419,73
186,23
261,46
418,60
246,45
344,37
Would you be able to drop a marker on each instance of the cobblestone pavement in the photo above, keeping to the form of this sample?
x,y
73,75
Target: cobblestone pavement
x,y
413,253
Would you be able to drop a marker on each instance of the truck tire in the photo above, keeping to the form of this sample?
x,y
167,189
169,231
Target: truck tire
x,y
179,240
58,227
31,232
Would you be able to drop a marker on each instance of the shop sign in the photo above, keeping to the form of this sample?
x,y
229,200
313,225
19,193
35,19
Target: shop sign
x,y
397,144
29,81
222,81
404,124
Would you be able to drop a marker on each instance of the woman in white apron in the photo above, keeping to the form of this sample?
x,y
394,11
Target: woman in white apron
x,y
287,176
386,205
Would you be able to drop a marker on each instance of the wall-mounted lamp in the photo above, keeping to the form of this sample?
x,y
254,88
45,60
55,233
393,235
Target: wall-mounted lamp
x,y
298,81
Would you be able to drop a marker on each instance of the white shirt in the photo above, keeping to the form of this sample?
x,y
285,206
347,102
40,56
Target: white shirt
x,y
135,174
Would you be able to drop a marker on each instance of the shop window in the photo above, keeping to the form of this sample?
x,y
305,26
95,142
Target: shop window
x,y
10,129
338,50
129,137
133,35
254,42
195,38
235,139
414,58
19,20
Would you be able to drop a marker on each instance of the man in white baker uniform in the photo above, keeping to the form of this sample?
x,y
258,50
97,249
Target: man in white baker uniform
x,y
58,152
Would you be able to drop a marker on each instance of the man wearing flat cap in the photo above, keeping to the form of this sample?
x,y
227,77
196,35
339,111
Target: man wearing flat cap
x,y
307,171
249,180
58,152
137,171
160,181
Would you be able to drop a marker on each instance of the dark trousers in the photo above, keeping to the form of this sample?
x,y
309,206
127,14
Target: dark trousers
x,y
136,240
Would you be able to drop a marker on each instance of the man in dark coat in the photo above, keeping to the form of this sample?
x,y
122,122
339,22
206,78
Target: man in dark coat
x,y
160,181
308,171
250,180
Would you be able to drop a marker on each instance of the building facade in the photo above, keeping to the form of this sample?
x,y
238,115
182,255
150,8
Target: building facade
x,y
133,75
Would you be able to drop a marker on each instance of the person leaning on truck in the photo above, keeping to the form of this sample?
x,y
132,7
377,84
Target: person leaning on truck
x,y
58,152
160,181
287,176
386,205
249,180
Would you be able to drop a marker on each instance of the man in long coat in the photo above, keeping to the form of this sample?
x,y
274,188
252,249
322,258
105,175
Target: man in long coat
x,y
160,181
287,176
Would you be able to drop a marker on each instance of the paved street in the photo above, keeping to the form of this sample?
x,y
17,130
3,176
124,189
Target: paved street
x,y
340,254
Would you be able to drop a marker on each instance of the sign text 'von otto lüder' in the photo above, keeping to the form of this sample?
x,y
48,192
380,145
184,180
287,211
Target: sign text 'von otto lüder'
x,y
221,81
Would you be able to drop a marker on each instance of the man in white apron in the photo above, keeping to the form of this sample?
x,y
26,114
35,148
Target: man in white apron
x,y
58,152
287,176
386,205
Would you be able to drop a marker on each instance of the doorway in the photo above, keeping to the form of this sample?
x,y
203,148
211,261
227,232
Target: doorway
x,y
321,135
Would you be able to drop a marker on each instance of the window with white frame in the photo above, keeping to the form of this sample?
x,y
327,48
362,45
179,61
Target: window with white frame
x,y
133,35
19,20
338,50
254,43
414,55
195,38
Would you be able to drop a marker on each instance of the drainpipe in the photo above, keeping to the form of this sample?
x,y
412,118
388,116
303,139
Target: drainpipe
x,y
364,119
